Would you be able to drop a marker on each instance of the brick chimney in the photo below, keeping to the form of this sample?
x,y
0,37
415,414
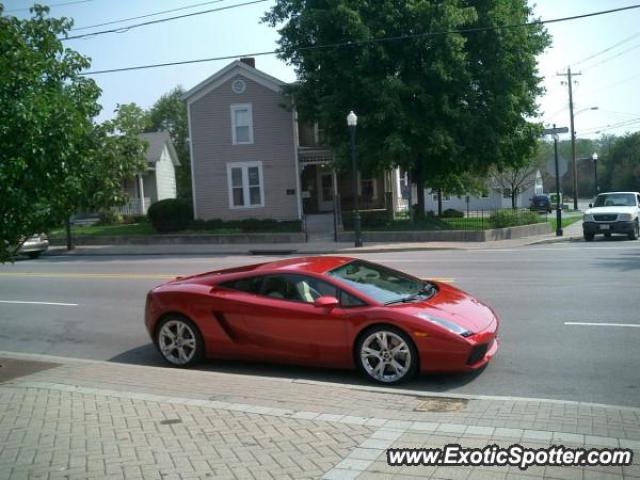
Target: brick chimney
x,y
249,61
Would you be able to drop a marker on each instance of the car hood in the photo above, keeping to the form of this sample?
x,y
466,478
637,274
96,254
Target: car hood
x,y
455,306
610,210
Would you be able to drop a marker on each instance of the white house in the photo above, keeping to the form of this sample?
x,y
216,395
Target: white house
x,y
158,181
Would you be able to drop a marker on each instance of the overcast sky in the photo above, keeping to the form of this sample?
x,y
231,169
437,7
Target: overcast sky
x,y
609,80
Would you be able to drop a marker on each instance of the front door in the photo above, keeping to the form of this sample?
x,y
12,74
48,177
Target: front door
x,y
325,190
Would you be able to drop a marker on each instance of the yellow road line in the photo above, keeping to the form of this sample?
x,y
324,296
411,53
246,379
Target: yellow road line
x,y
162,276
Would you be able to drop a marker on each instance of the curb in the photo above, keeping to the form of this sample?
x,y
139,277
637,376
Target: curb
x,y
364,388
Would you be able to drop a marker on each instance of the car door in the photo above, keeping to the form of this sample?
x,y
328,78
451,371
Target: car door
x,y
287,326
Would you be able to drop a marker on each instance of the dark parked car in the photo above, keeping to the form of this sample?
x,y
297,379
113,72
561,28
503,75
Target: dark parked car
x,y
541,203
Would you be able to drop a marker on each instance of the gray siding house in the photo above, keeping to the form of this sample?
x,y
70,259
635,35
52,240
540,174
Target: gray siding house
x,y
243,139
251,158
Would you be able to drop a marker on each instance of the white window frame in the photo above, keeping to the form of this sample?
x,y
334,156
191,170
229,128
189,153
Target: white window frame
x,y
233,109
245,166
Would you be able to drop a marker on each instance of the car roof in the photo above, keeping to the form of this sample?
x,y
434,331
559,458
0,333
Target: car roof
x,y
317,265
612,193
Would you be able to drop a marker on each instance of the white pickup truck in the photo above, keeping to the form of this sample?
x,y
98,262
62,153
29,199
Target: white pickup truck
x,y
613,212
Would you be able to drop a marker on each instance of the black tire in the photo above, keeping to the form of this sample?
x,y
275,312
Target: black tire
x,y
607,235
636,232
182,355
409,355
33,255
588,237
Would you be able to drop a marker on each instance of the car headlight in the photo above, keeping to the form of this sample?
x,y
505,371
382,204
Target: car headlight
x,y
587,217
626,217
452,327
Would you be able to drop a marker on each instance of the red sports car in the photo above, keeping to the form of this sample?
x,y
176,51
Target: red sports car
x,y
330,311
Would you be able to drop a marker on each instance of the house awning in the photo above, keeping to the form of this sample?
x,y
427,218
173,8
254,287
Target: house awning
x,y
314,156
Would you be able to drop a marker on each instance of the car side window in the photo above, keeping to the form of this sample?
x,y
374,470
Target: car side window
x,y
347,300
297,288
247,285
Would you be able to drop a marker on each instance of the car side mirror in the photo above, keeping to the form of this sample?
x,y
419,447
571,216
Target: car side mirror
x,y
591,205
326,302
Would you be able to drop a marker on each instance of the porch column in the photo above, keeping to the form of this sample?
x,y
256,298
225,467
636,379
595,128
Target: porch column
x,y
141,194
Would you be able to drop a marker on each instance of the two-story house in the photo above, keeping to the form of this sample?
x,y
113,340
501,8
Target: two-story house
x,y
251,158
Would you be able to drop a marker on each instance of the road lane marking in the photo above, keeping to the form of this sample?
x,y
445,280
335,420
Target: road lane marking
x,y
587,324
161,276
41,303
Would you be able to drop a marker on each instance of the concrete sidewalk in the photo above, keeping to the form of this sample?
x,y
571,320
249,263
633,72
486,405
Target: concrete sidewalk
x,y
571,233
65,418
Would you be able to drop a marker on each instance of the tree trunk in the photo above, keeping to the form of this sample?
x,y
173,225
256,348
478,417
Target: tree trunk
x,y
420,189
514,193
439,202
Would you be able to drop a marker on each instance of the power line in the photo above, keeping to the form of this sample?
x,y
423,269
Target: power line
x,y
186,7
160,20
608,49
609,85
625,123
375,40
53,5
612,57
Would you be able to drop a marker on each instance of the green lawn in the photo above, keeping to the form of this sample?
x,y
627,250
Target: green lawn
x,y
565,221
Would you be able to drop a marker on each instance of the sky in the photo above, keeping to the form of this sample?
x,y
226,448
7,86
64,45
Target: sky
x,y
608,81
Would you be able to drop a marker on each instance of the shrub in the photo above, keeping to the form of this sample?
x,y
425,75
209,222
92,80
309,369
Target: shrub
x,y
109,217
170,215
512,218
368,219
452,213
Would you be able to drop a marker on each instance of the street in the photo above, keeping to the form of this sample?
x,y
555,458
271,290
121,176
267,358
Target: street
x,y
92,306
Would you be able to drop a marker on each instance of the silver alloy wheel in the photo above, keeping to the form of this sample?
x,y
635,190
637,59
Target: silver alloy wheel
x,y
177,342
385,356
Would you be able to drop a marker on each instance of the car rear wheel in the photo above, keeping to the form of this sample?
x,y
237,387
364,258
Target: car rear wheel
x,y
588,237
33,254
179,341
386,355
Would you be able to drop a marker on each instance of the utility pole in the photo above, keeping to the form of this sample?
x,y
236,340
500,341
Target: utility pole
x,y
574,167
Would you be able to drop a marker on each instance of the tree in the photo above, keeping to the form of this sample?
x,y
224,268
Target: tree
x,y
623,164
54,158
131,119
436,104
170,113
515,180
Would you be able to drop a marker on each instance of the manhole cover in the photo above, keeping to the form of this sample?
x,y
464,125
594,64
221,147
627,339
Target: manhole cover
x,y
440,405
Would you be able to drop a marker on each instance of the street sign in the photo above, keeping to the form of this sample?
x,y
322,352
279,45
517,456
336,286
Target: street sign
x,y
551,131
563,166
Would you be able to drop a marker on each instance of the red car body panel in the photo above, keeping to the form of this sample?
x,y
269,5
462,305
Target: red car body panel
x,y
241,325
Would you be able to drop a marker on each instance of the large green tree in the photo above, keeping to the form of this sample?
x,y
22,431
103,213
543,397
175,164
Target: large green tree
x,y
430,96
53,158
621,167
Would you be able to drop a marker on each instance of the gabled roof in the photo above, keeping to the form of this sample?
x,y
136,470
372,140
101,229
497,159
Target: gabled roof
x,y
157,141
227,73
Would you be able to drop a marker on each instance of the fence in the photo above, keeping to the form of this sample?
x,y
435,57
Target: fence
x,y
473,220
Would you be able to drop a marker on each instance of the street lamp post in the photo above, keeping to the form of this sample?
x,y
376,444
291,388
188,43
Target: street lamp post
x,y
596,189
558,209
352,122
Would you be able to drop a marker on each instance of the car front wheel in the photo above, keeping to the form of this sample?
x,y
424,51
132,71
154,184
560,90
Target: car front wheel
x,y
636,232
588,237
179,341
386,355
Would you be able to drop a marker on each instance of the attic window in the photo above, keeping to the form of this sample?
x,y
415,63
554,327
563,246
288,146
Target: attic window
x,y
241,123
238,86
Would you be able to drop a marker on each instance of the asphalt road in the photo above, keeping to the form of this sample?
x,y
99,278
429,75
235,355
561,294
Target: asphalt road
x,y
535,290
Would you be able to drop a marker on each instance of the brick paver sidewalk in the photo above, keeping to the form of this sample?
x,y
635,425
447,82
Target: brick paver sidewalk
x,y
62,418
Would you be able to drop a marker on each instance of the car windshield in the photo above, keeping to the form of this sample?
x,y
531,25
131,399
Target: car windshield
x,y
615,200
382,284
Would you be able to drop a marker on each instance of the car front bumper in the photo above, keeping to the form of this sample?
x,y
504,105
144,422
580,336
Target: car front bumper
x,y
593,228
